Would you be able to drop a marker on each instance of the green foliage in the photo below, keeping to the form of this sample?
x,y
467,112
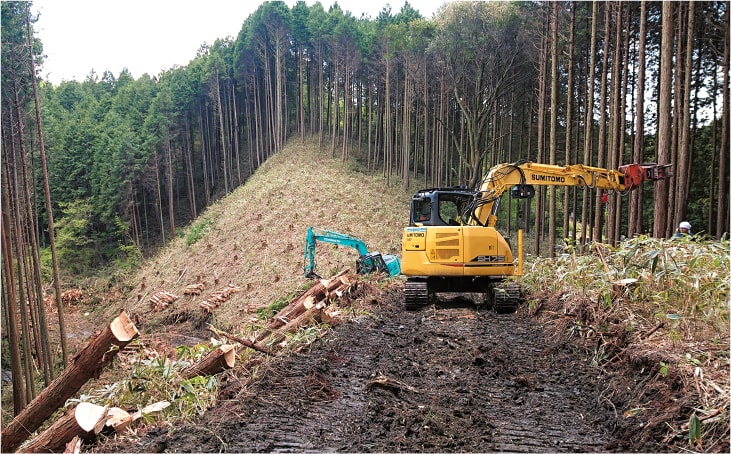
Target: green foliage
x,y
695,430
154,378
198,230
128,257
74,244
687,278
269,311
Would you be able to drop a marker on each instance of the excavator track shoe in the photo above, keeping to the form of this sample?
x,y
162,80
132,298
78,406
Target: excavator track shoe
x,y
416,294
506,297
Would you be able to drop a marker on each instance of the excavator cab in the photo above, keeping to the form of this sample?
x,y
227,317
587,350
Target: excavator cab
x,y
440,206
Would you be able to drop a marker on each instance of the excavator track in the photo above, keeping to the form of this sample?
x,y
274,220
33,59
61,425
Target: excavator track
x,y
416,294
506,297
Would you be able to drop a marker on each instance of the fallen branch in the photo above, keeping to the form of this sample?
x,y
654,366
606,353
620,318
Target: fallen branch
x,y
244,342
390,383
652,331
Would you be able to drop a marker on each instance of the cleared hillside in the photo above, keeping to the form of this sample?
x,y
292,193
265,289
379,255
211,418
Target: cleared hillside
x,y
254,237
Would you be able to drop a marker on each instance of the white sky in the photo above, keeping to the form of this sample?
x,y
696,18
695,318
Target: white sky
x,y
148,36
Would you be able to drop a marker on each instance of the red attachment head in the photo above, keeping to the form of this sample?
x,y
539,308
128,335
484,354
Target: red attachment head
x,y
635,174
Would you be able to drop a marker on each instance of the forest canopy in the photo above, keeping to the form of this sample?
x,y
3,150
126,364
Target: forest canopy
x,y
427,102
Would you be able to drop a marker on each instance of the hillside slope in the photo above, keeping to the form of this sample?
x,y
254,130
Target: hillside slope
x,y
254,237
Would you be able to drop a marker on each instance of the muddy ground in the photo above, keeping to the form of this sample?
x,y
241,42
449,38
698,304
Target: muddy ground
x,y
452,377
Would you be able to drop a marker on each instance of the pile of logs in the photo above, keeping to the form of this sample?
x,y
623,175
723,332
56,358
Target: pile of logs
x,y
216,298
194,289
311,306
162,299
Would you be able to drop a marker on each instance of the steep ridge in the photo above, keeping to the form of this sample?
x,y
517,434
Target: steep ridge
x,y
253,238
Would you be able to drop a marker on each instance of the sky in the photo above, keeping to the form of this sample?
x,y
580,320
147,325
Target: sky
x,y
149,36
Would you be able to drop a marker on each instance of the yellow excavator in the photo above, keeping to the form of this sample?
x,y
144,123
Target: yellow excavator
x,y
451,244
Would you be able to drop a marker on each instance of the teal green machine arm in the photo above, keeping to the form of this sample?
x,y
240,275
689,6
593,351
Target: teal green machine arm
x,y
367,262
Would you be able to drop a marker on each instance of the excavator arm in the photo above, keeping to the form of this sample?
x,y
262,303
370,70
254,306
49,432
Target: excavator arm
x,y
520,177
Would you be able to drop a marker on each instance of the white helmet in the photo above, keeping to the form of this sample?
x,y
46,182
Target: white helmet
x,y
684,225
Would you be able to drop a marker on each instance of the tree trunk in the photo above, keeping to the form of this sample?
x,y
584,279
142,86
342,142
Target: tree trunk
x,y
635,207
87,364
47,192
589,121
602,145
570,93
664,118
11,312
615,121
33,278
541,138
171,199
722,210
85,420
553,127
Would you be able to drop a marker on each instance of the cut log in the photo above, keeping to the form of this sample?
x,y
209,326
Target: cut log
x,y
318,292
87,364
218,360
84,421
309,316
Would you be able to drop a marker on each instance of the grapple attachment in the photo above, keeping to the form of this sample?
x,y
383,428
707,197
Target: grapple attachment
x,y
635,174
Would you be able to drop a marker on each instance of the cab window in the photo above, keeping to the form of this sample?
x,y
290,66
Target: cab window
x,y
451,207
421,210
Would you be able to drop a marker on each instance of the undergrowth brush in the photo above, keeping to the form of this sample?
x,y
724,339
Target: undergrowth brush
x,y
658,305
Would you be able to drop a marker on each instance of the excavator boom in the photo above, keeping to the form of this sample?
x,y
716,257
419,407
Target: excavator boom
x,y
520,177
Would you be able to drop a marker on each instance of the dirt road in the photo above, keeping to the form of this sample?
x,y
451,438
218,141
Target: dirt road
x,y
447,378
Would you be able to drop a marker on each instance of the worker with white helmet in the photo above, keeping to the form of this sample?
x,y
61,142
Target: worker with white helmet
x,y
683,230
